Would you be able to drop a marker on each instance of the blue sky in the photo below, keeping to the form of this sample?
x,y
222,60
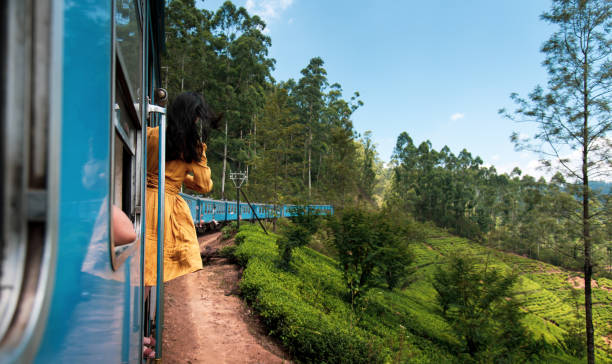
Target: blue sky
x,y
437,69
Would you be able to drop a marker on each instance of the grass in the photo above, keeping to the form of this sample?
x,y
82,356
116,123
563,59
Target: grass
x,y
305,306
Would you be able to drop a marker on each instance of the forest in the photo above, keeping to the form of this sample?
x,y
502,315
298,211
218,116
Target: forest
x,y
298,143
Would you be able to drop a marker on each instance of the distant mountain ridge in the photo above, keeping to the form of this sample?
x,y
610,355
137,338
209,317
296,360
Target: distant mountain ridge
x,y
604,187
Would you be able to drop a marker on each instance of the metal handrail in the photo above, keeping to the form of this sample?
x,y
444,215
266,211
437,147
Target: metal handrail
x,y
161,199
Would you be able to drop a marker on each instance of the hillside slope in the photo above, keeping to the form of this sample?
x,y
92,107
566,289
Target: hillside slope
x,y
546,290
305,310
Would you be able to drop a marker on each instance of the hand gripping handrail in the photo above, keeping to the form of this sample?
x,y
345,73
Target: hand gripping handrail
x,y
161,199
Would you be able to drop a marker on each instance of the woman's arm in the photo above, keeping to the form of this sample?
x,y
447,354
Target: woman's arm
x,y
200,181
123,229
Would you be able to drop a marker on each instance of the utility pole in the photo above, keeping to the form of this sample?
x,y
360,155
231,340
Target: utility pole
x,y
224,162
238,178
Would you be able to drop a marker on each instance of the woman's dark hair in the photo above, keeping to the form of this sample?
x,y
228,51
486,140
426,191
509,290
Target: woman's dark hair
x,y
190,120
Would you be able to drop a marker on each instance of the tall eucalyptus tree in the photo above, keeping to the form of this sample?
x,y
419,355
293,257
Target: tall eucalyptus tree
x,y
573,112
309,94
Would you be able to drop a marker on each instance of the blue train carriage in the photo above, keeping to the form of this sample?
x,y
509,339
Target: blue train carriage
x,y
232,211
206,213
245,212
219,212
195,207
75,79
290,210
322,209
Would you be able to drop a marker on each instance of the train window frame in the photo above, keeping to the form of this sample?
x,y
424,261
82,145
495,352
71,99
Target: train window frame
x,y
30,142
133,81
126,138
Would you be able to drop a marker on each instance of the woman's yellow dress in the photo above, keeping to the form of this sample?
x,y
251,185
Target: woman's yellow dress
x,y
181,248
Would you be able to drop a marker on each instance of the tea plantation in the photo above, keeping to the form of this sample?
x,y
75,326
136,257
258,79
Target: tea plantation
x,y
304,307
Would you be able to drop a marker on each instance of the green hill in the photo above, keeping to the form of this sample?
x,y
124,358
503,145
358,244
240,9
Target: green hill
x,y
305,309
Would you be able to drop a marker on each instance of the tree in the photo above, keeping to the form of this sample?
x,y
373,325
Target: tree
x,y
396,232
276,160
358,250
479,305
368,172
372,247
573,112
309,93
298,234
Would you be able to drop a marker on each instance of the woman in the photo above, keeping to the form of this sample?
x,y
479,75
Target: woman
x,y
190,120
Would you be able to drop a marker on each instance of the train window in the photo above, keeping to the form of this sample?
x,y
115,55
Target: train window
x,y
29,174
128,40
127,127
125,172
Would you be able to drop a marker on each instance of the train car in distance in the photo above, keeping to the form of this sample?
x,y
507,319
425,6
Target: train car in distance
x,y
208,213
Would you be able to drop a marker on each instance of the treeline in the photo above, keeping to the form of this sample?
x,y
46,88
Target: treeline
x,y
514,212
295,137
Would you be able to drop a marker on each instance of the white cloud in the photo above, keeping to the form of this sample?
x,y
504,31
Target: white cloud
x,y
290,21
457,116
267,9
531,168
495,157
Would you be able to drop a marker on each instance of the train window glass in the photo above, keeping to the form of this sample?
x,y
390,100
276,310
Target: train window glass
x,y
126,148
128,39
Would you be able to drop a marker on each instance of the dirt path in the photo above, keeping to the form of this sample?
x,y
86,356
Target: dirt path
x,y
205,322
